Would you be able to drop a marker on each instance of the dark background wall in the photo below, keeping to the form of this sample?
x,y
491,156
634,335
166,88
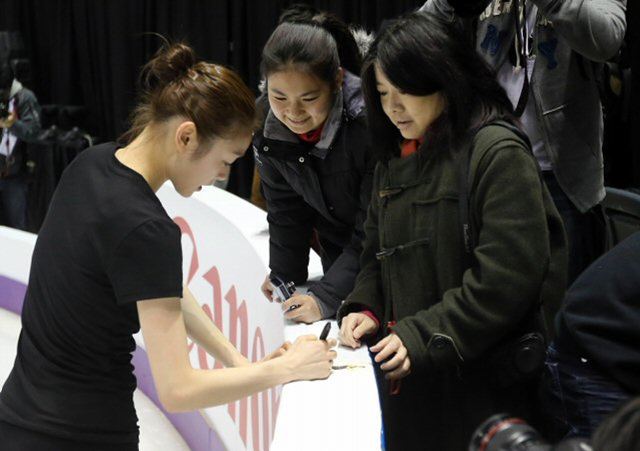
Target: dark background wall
x,y
89,52
633,27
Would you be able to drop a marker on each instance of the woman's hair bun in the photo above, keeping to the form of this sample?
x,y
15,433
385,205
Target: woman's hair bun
x,y
171,62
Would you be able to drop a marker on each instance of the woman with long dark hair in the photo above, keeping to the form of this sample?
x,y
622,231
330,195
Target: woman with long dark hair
x,y
462,241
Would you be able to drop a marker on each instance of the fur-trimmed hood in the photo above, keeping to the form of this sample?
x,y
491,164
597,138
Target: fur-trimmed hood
x,y
363,38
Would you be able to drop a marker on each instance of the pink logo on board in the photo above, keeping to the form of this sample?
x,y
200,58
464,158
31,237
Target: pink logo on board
x,y
264,405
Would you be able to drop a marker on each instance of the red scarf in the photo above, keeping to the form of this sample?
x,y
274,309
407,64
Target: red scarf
x,y
313,136
410,146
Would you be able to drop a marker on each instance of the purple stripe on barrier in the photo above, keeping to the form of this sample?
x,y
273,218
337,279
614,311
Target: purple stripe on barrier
x,y
11,294
191,425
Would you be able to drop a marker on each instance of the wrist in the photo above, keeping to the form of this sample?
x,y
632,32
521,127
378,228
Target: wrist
x,y
370,314
315,298
239,360
281,368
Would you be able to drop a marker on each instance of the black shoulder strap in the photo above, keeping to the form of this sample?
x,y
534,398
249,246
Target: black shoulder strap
x,y
469,232
521,28
535,322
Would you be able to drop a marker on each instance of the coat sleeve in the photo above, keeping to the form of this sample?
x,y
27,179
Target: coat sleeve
x,y
441,8
339,280
290,221
511,260
367,291
593,28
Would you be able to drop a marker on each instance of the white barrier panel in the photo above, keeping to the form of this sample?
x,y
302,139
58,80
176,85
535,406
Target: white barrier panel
x,y
340,413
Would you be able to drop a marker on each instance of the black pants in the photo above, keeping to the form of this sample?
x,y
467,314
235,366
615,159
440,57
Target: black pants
x,y
14,438
585,231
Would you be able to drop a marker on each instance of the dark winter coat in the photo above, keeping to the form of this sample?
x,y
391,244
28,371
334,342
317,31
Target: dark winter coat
x,y
600,315
324,188
450,318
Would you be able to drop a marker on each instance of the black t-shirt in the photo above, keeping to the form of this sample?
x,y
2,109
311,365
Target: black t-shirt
x,y
106,242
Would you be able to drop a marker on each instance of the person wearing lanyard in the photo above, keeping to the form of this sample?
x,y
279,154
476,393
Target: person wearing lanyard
x,y
20,124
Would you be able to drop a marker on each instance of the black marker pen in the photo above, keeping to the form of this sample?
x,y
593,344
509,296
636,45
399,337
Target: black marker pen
x,y
325,331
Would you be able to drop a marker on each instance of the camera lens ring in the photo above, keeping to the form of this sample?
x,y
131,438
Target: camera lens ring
x,y
503,431
499,426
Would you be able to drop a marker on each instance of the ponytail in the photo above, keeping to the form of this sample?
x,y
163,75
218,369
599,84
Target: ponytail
x,y
212,96
168,65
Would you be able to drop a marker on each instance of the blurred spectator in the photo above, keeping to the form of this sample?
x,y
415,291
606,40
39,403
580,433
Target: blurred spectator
x,y
20,124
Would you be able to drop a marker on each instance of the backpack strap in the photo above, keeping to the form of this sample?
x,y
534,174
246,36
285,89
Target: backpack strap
x,y
536,321
521,354
469,229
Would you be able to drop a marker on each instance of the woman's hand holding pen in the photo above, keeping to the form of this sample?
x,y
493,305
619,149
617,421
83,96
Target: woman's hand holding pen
x,y
301,308
354,327
392,352
310,358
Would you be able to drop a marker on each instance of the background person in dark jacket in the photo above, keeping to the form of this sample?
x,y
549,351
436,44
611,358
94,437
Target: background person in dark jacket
x,y
19,124
593,364
314,163
438,321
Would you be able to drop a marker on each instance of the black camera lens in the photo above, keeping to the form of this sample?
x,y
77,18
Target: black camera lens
x,y
503,432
